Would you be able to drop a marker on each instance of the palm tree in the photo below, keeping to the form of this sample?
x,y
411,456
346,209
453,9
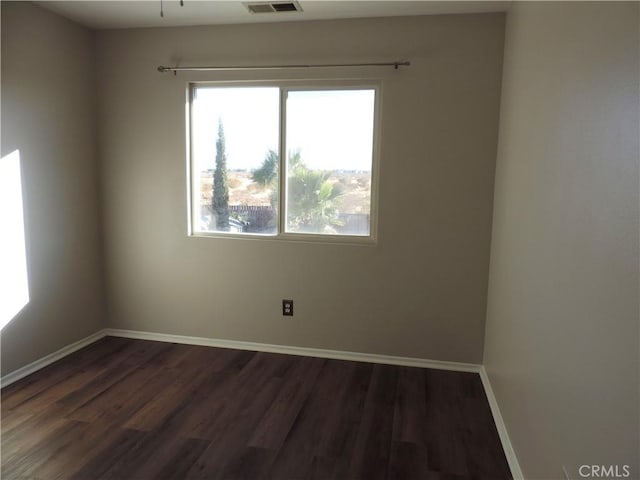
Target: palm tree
x,y
311,205
267,176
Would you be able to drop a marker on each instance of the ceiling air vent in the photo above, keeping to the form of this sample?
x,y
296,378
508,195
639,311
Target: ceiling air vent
x,y
273,7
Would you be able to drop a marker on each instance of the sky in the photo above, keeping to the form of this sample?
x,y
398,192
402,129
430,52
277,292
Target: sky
x,y
333,129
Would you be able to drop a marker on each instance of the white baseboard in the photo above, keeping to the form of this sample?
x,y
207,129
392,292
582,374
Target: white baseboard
x,y
49,359
301,351
516,472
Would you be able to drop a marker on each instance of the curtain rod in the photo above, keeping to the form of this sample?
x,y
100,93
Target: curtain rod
x,y
281,67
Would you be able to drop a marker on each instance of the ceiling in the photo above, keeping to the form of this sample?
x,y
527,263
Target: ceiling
x,y
134,14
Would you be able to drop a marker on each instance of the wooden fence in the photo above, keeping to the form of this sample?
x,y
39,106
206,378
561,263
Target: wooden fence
x,y
261,218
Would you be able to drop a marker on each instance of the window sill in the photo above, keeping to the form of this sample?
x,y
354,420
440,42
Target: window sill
x,y
350,240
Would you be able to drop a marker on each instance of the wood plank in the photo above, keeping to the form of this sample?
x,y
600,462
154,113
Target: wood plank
x,y
117,367
129,393
135,409
17,448
275,425
257,386
80,445
249,463
446,450
25,462
208,402
410,406
110,455
309,436
322,468
344,413
155,412
172,459
408,456
407,460
32,385
373,445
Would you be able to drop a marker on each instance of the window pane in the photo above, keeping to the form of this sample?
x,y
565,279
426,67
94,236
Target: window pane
x,y
235,137
329,162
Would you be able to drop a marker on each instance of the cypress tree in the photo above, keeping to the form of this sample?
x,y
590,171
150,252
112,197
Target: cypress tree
x,y
220,185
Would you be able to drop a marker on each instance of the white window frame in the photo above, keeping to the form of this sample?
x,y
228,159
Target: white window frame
x,y
285,87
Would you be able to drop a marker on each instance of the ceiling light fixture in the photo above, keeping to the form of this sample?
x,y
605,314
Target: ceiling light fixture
x,y
162,9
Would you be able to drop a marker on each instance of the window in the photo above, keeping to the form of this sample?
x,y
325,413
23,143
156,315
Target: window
x,y
242,183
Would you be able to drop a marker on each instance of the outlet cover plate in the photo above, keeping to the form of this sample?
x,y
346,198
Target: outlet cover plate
x,y
287,308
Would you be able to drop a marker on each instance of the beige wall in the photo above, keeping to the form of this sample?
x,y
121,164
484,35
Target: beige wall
x,y
421,291
48,113
562,326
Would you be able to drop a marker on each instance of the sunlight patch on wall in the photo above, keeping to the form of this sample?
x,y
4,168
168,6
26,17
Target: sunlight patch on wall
x,y
14,285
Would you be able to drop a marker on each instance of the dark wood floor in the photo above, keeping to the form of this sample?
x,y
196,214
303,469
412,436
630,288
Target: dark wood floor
x,y
133,409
